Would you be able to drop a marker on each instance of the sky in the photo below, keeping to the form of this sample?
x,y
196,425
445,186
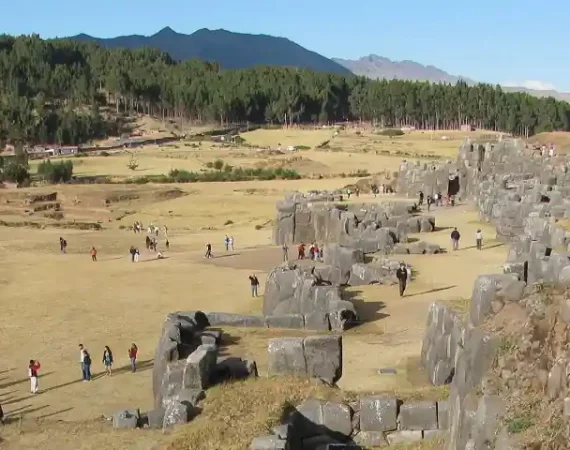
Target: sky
x,y
511,42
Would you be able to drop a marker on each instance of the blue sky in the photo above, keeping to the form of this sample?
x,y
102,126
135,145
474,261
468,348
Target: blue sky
x,y
500,41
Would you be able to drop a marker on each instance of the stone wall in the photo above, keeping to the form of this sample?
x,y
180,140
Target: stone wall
x,y
524,197
372,421
370,227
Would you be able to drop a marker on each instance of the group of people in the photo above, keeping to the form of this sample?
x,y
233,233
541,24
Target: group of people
x,y
315,253
85,361
107,360
438,199
228,244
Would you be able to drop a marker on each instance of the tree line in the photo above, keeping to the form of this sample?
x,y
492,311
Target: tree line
x,y
66,92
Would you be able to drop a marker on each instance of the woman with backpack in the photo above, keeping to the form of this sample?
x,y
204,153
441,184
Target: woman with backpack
x,y
108,359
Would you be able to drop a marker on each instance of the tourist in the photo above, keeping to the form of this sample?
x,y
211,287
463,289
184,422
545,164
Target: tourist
x,y
227,242
137,255
455,236
402,275
429,202
312,252
254,283
62,245
479,240
439,199
348,192
147,242
33,374
85,359
316,251
357,192
285,249
421,199
133,352
208,251
301,251
167,244
133,252
93,254
108,360
232,243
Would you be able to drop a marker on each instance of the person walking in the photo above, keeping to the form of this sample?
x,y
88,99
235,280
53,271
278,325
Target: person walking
x,y
62,245
167,244
85,359
137,255
108,360
285,249
208,251
33,374
479,240
421,199
133,251
301,251
402,275
93,254
455,236
227,242
429,201
133,352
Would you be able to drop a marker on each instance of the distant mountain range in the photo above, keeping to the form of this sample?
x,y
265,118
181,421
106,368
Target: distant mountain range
x,y
238,50
230,50
374,66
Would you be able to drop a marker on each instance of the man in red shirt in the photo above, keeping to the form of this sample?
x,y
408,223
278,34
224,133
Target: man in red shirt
x,y
33,374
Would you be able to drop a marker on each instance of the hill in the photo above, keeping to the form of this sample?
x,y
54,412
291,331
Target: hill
x,y
377,67
230,50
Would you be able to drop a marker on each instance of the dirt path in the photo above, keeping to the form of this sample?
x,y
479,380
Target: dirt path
x,y
392,334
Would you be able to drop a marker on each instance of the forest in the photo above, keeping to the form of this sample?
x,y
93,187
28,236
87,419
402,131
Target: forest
x,y
66,92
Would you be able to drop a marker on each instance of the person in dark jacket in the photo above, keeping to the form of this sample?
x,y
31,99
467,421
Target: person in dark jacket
x,y
108,360
421,199
455,236
254,284
402,275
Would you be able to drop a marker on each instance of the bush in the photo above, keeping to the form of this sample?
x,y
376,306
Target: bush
x,y
390,132
104,153
16,172
218,164
60,172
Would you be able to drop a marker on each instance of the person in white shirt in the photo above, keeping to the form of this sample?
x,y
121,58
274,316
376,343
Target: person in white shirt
x,y
479,240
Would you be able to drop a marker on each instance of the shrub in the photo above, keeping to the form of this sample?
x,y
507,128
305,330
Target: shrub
x,y
104,153
218,164
60,172
16,172
390,132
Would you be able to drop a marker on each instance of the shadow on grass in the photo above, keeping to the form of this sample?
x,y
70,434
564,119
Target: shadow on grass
x,y
431,291
367,311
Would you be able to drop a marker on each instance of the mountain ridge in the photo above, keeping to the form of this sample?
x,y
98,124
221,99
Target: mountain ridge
x,y
230,50
240,50
376,67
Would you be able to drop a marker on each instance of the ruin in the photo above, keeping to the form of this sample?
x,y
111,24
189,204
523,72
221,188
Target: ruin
x,y
524,196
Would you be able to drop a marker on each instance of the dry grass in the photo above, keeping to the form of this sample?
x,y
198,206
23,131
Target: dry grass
x,y
287,137
233,415
559,138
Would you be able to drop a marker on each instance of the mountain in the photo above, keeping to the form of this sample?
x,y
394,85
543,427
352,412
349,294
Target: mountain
x,y
374,66
230,50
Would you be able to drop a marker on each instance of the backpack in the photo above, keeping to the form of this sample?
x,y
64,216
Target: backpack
x,y
87,359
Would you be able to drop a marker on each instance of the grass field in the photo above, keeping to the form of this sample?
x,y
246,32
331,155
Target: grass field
x,y
346,153
51,302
